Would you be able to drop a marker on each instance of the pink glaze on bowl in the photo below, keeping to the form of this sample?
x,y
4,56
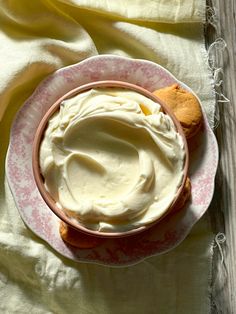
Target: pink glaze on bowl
x,y
40,133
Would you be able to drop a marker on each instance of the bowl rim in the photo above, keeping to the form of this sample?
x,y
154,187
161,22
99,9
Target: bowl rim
x,y
36,147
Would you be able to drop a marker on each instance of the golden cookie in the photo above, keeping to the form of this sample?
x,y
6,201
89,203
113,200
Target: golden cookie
x,y
76,238
184,105
184,197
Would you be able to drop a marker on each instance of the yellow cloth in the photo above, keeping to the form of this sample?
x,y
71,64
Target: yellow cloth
x,y
38,37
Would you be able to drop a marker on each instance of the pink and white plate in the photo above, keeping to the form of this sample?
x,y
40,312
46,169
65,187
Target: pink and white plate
x,y
162,237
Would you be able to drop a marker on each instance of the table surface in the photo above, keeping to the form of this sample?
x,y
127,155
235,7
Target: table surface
x,y
222,211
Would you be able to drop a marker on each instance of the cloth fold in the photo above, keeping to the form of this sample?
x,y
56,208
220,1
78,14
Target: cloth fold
x,y
39,37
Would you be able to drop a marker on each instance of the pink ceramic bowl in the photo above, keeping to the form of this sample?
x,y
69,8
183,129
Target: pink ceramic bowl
x,y
40,180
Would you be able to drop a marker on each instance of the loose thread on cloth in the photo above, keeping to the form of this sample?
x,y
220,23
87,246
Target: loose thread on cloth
x,y
215,48
220,238
211,16
220,278
214,54
215,62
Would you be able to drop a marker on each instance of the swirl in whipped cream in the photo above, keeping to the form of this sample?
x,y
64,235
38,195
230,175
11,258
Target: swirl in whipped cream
x,y
112,160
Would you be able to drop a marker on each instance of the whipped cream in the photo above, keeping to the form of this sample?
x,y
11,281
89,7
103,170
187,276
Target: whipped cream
x,y
112,160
